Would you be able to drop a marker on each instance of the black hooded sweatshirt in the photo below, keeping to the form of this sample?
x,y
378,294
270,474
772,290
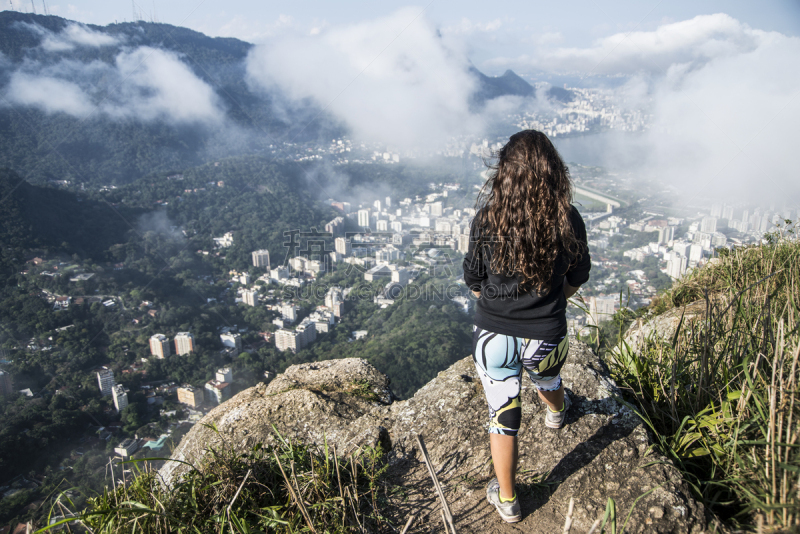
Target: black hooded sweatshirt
x,y
504,309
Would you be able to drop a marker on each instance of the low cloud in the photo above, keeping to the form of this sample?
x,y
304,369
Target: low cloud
x,y
723,97
51,95
73,35
145,84
158,222
728,128
155,83
390,80
692,42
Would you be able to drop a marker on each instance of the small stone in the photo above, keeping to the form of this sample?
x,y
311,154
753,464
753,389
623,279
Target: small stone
x,y
656,512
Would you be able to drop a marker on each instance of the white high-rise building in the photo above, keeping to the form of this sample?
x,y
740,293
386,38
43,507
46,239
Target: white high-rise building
x,y
708,225
105,379
159,346
401,276
601,309
217,392
666,234
224,375
289,312
302,336
335,227
695,253
333,297
377,206
363,218
233,341
250,297
184,343
343,246
442,226
120,397
463,243
387,254
279,273
727,212
676,265
436,209
388,202
261,258
382,225
285,340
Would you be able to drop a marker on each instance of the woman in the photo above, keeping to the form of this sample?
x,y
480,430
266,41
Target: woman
x,y
527,256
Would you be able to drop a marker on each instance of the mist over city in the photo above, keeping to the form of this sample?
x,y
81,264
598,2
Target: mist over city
x,y
197,197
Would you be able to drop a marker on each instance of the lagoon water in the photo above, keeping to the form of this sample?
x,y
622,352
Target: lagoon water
x,y
614,150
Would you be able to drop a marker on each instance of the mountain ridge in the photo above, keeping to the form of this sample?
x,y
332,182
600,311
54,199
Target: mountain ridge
x,y
45,143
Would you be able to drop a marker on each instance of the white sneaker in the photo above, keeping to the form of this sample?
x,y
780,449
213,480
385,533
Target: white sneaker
x,y
556,419
510,510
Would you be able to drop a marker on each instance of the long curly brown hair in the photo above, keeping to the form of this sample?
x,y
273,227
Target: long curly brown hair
x,y
525,208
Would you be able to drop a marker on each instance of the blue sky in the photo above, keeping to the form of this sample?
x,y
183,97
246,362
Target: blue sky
x,y
489,29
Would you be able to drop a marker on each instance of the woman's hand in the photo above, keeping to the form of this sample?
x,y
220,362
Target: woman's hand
x,y
476,293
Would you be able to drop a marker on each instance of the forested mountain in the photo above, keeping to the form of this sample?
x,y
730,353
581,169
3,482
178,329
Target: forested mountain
x,y
89,104
103,141
52,219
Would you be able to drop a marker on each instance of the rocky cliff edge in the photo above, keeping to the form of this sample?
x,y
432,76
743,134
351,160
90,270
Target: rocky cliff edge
x,y
602,452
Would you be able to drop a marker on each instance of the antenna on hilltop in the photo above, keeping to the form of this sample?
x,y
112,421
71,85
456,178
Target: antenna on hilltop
x,y
44,5
33,7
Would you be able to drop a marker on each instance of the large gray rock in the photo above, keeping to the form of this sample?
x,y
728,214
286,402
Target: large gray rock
x,y
665,324
602,451
311,401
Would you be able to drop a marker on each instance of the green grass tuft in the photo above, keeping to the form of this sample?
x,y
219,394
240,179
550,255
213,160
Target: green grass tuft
x,y
722,394
285,488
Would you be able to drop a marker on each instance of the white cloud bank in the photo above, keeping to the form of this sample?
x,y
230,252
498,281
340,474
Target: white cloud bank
x,y
72,36
144,83
391,79
729,127
724,98
49,94
690,42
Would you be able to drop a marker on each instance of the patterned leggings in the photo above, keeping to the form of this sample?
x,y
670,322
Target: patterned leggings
x,y
500,359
